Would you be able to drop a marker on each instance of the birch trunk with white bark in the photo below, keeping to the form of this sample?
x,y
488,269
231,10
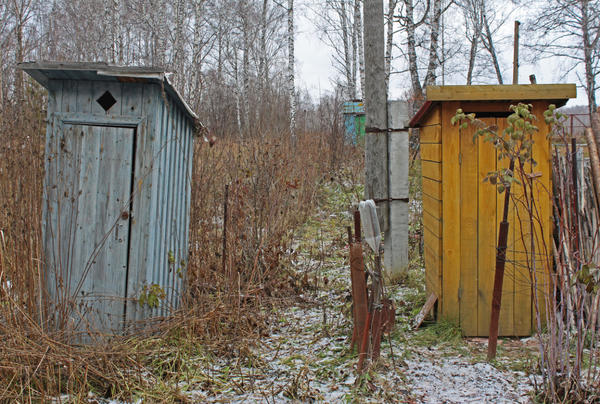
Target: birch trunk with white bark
x,y
291,74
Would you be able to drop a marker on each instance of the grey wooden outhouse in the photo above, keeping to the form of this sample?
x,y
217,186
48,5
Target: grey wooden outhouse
x,y
116,194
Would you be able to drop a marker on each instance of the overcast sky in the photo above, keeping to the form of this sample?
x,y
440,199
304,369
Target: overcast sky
x,y
316,74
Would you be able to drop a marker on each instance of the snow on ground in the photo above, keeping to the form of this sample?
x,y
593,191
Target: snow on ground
x,y
306,356
454,380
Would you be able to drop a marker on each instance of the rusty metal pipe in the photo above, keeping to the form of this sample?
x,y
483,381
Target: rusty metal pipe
x,y
359,291
499,275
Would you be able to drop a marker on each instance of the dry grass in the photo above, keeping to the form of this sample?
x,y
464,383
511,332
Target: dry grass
x,y
272,189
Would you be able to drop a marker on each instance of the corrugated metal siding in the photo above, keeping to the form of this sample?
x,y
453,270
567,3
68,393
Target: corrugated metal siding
x,y
169,206
159,219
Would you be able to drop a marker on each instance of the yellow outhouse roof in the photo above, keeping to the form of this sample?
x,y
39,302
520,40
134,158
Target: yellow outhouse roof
x,y
554,93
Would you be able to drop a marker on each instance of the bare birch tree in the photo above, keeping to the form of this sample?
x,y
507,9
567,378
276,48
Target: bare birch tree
x,y
389,41
340,25
570,29
358,32
291,72
473,12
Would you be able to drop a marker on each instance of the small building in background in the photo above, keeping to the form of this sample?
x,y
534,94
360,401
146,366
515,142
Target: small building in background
x,y
116,197
461,213
354,122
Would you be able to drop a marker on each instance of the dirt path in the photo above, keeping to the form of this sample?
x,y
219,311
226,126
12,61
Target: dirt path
x,y
305,356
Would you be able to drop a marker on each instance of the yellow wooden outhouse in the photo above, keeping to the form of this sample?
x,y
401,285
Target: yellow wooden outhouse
x,y
461,213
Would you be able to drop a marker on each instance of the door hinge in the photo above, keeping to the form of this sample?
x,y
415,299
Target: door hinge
x,y
459,158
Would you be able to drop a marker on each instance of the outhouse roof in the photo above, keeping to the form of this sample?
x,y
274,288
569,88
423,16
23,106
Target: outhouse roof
x,y
553,93
44,72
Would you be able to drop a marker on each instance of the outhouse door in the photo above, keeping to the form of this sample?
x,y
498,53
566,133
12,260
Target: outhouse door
x,y
480,209
95,170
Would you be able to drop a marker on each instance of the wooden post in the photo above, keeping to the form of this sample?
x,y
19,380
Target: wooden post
x,y
516,54
376,136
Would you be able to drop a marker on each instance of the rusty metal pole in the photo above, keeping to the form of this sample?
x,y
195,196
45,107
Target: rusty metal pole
x,y
357,231
359,291
376,309
499,275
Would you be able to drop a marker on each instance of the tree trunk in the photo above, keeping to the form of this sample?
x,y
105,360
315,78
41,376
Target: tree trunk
x,y
20,20
291,74
350,87
262,62
246,74
178,48
590,79
489,45
389,42
413,67
430,77
361,52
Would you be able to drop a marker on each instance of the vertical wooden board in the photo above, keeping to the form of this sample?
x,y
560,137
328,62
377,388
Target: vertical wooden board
x,y
507,308
451,214
66,234
84,96
142,250
468,232
69,96
543,195
522,255
68,184
86,223
49,196
112,229
132,104
487,236
132,99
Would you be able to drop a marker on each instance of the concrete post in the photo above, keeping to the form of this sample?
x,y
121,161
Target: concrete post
x,y
376,143
396,235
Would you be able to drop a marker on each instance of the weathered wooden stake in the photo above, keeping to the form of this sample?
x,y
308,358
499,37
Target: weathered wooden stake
x,y
499,275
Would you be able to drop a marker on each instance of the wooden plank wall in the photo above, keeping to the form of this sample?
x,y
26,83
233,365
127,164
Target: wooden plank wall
x,y
463,245
431,168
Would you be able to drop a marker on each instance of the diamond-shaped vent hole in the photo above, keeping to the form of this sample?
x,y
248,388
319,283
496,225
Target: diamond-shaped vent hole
x,y
106,101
